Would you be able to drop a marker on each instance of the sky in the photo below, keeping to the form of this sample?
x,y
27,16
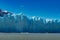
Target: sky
x,y
41,8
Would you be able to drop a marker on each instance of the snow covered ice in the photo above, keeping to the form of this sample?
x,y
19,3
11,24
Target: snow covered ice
x,y
21,23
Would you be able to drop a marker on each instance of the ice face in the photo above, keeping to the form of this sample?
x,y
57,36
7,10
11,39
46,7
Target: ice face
x,y
22,23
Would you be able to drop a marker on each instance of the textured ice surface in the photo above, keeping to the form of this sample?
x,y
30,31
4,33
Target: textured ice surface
x,y
21,23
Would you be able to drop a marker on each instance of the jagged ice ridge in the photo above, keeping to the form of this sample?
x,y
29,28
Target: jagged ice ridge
x,y
20,23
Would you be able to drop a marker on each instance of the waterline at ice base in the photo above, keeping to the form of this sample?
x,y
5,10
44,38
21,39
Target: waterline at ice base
x,y
20,23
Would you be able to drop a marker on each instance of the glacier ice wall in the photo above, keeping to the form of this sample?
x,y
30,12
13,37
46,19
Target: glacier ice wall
x,y
21,23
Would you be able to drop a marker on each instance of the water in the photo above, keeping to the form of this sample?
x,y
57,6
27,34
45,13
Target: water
x,y
29,36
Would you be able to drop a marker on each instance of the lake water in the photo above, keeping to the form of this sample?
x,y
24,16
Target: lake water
x,y
29,36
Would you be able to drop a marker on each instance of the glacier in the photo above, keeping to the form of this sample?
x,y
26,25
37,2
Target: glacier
x,y
20,23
